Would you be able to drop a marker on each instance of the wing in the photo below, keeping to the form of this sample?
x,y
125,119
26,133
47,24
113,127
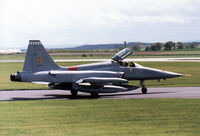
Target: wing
x,y
103,85
99,81
96,84
41,83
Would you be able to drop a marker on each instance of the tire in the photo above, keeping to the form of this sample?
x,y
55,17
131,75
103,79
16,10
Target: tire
x,y
144,90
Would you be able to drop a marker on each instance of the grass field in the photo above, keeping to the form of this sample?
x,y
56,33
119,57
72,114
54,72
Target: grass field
x,y
192,68
142,117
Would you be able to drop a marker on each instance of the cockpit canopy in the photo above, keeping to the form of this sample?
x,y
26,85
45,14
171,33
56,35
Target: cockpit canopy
x,y
128,64
122,54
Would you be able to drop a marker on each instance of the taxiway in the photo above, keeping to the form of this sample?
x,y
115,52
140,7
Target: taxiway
x,y
164,92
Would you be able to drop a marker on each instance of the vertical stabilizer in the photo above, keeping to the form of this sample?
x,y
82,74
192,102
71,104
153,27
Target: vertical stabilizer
x,y
37,58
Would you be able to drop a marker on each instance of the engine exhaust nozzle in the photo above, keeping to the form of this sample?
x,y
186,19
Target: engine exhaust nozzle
x,y
15,77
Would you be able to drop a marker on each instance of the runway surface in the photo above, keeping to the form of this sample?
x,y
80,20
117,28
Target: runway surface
x,y
193,59
165,92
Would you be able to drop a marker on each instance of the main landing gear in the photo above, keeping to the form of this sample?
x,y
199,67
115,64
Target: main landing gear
x,y
74,93
144,89
94,95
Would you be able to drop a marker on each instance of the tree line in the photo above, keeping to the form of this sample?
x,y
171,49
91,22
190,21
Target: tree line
x,y
158,46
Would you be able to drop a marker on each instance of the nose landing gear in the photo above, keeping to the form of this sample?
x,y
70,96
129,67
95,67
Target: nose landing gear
x,y
144,89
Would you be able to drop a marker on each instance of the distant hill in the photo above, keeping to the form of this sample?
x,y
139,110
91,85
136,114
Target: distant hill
x,y
102,46
106,46
112,46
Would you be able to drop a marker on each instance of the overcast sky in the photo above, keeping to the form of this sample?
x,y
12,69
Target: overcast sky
x,y
75,22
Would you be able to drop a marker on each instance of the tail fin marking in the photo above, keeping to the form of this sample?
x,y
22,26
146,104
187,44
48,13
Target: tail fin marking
x,y
37,58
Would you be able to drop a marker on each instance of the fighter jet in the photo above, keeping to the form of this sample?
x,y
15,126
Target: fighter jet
x,y
95,78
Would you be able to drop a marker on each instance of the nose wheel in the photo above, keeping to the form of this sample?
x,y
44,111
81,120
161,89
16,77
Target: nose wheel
x,y
144,89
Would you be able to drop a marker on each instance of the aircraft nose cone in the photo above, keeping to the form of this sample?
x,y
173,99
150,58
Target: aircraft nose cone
x,y
168,74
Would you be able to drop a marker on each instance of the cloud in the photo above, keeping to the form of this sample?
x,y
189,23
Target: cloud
x,y
8,51
94,21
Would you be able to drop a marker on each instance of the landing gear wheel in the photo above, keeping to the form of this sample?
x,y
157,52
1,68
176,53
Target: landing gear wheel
x,y
74,93
94,95
144,90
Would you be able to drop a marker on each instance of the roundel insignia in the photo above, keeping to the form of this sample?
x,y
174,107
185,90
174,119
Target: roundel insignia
x,y
40,60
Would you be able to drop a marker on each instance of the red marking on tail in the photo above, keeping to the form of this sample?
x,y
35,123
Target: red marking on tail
x,y
73,68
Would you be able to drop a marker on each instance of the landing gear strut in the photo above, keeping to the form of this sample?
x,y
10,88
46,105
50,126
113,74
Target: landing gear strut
x,y
94,95
74,93
144,89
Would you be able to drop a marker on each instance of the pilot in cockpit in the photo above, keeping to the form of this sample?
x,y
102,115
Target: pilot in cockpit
x,y
132,64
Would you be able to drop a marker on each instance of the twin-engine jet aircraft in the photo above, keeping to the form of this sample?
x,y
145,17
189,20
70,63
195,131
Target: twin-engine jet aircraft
x,y
103,77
